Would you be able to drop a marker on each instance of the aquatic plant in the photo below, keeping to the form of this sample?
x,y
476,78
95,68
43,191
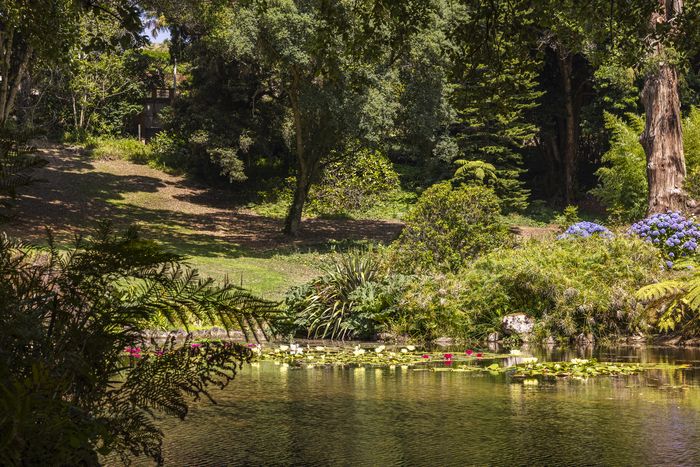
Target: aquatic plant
x,y
381,355
675,235
586,229
516,366
582,368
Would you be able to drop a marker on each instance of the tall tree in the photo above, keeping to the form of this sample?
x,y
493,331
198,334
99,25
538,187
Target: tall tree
x,y
42,32
663,135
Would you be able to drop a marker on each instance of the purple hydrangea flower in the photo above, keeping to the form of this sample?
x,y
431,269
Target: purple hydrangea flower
x,y
586,229
675,235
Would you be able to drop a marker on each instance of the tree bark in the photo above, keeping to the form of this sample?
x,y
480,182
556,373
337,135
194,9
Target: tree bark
x,y
292,223
662,138
570,147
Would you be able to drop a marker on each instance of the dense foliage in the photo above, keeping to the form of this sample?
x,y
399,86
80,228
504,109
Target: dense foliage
x,y
17,162
68,390
448,226
675,302
623,184
355,298
583,285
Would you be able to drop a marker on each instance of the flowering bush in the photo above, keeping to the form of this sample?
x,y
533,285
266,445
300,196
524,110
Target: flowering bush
x,y
586,229
672,233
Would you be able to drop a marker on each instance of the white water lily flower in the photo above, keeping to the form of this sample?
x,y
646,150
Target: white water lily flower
x,y
320,348
358,351
284,348
515,352
579,361
404,350
530,360
380,349
411,347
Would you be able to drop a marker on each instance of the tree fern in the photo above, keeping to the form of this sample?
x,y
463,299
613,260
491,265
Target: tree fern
x,y
675,301
68,391
475,172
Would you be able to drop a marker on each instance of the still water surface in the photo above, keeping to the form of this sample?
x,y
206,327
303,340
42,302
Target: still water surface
x,y
272,415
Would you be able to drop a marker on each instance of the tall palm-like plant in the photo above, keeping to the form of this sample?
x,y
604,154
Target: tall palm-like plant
x,y
68,389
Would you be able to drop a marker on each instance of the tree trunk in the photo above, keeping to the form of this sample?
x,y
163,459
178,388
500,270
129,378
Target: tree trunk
x,y
663,141
662,138
292,223
570,147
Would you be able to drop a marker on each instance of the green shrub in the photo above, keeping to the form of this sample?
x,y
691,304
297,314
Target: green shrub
x,y
570,287
362,185
169,152
691,149
354,184
449,225
129,149
623,183
355,298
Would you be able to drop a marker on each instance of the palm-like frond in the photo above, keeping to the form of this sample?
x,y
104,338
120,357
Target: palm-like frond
x,y
674,300
65,319
476,170
327,309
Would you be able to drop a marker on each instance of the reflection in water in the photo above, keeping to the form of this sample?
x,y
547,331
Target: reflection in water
x,y
276,415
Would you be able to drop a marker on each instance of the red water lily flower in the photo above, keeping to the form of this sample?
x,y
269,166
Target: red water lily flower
x,y
479,355
426,356
448,356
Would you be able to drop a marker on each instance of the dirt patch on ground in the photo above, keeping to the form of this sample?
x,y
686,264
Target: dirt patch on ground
x,y
76,192
536,232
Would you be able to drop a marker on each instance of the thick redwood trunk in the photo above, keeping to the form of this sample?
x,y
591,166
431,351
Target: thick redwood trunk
x,y
663,141
570,145
663,135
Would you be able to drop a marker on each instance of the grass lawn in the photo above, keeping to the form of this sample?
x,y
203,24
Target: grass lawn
x,y
208,226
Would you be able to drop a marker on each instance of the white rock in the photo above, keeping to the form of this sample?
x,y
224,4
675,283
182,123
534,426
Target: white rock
x,y
517,323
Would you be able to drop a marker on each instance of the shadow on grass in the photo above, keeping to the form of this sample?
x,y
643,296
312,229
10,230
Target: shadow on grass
x,y
75,196
231,234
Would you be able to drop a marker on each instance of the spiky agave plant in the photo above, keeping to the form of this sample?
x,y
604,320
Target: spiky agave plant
x,y
68,390
326,308
675,301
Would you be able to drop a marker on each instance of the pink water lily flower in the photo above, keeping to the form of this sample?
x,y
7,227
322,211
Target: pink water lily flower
x,y
469,352
195,346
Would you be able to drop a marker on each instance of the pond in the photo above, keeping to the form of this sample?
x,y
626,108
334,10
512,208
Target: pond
x,y
275,414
